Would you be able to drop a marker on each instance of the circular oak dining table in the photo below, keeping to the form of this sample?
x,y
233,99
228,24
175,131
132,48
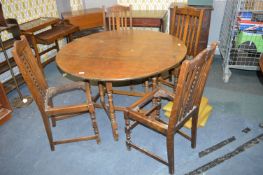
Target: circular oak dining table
x,y
115,56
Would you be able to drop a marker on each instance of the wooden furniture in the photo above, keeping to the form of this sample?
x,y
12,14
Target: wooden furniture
x,y
149,18
5,107
186,23
203,40
93,18
43,95
85,19
119,17
59,29
261,62
109,57
11,26
186,103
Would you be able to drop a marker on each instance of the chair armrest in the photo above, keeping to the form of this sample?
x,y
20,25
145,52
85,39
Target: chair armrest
x,y
157,93
143,101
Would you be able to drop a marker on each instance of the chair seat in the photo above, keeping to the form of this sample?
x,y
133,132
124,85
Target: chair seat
x,y
57,32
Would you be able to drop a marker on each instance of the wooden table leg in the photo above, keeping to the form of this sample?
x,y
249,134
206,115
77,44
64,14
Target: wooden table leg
x,y
102,97
108,108
92,111
112,111
154,102
154,81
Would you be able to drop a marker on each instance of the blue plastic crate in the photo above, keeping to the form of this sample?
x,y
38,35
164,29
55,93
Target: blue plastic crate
x,y
245,15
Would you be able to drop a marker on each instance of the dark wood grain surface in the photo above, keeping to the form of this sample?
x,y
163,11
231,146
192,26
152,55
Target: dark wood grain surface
x,y
121,55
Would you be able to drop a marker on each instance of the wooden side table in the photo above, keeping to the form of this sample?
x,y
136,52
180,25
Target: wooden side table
x,y
29,28
93,18
59,29
149,18
85,19
5,107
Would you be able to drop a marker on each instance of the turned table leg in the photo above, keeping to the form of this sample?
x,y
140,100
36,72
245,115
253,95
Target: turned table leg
x,y
112,111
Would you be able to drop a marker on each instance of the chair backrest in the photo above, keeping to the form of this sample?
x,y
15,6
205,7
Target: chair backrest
x,y
186,25
119,17
30,71
190,86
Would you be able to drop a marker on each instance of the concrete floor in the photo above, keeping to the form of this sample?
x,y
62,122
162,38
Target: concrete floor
x,y
24,148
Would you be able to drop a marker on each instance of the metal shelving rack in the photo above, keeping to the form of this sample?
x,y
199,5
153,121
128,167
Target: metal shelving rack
x,y
241,35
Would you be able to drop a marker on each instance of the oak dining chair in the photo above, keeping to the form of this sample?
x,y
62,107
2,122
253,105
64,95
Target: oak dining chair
x,y
119,17
186,100
186,24
43,95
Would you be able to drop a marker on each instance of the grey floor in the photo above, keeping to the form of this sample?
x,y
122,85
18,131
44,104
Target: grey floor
x,y
24,148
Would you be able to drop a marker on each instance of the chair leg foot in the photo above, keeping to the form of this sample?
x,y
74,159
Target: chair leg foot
x,y
52,147
53,121
128,146
98,140
194,131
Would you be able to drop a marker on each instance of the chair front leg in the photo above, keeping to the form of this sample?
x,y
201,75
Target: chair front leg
x,y
48,130
53,120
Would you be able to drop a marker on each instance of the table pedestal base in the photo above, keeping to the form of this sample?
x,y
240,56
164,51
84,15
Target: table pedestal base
x,y
109,106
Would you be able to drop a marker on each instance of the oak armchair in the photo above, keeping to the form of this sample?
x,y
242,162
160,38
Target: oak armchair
x,y
186,100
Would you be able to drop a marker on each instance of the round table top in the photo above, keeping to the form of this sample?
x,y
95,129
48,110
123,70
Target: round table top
x,y
121,55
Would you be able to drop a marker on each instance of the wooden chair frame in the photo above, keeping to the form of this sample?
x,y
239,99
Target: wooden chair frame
x,y
186,101
43,94
119,17
186,25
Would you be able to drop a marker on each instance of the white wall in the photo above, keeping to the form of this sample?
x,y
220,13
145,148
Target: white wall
x,y
216,20
63,6
98,3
